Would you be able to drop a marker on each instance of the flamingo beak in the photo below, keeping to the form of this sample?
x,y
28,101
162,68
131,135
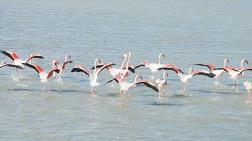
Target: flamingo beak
x,y
246,61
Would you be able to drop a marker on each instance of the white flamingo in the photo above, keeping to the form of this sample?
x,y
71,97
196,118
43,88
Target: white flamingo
x,y
92,76
185,77
217,71
237,73
122,70
162,84
155,67
125,86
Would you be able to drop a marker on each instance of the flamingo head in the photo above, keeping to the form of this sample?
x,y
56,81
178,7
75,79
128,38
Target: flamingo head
x,y
97,61
165,74
161,55
55,63
67,58
129,54
124,56
226,61
244,61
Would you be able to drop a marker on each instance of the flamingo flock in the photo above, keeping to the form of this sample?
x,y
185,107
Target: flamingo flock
x,y
120,74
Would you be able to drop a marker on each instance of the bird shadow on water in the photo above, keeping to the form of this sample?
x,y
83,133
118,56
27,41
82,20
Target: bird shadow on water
x,y
24,90
112,94
49,90
217,92
157,103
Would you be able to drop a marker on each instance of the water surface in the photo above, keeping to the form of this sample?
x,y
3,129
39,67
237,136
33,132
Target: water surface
x,y
187,31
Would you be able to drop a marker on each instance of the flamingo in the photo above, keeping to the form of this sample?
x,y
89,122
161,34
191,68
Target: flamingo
x,y
61,67
237,73
216,71
122,70
248,86
162,84
43,75
125,86
92,76
191,73
17,61
155,67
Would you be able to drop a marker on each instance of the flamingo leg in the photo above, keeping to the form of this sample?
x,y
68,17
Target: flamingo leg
x,y
216,82
185,85
128,97
237,87
59,78
45,89
121,96
92,91
159,93
164,91
17,71
233,84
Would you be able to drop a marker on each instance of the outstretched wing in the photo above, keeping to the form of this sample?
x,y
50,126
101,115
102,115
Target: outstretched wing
x,y
140,65
31,66
114,79
9,54
50,74
221,69
34,55
103,67
209,66
131,68
148,84
67,62
80,68
247,69
175,69
208,74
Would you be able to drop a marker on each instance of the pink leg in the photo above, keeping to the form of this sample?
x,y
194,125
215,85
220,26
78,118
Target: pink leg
x,y
237,87
185,85
93,91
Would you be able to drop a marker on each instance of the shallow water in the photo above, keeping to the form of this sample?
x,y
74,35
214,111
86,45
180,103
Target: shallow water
x,y
187,31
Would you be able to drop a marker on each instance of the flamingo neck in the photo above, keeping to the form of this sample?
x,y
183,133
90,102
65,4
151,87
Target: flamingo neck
x,y
136,78
164,76
95,66
159,59
190,71
127,66
242,63
124,59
